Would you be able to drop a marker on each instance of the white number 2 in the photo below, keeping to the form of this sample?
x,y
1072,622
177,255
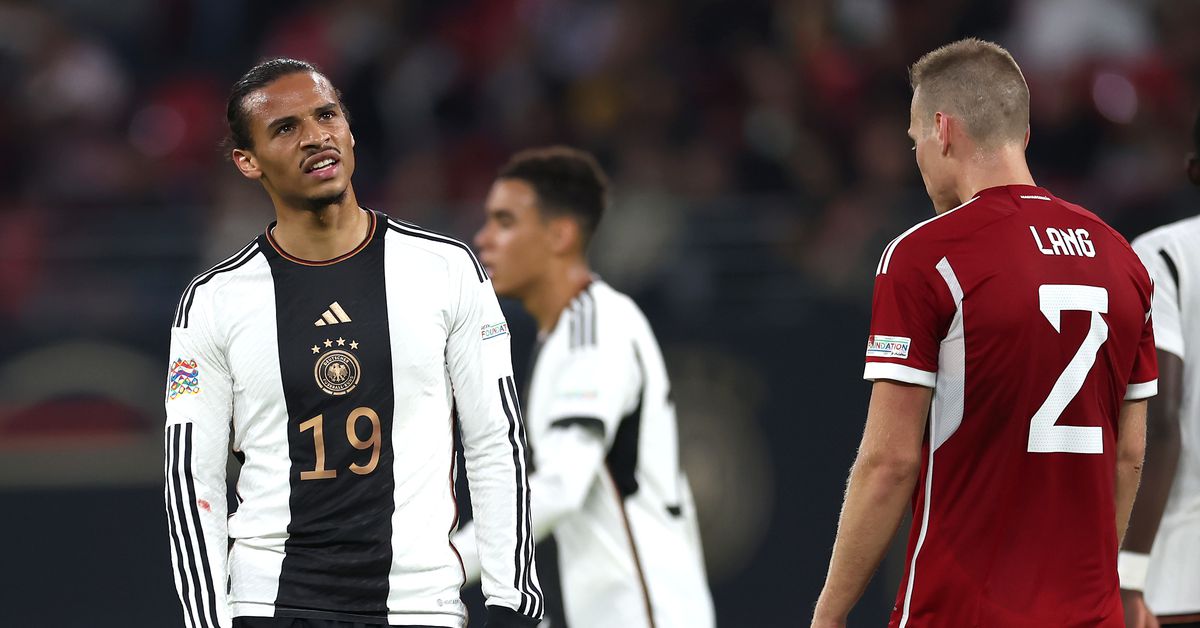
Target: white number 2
x,y
1044,435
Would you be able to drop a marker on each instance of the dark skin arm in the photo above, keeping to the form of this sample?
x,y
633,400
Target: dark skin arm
x,y
1158,471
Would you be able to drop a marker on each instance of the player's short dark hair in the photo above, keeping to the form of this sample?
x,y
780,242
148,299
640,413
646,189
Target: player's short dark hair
x,y
254,79
567,181
979,82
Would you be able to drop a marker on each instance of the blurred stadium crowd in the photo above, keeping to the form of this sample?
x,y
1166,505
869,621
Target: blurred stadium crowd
x,y
757,149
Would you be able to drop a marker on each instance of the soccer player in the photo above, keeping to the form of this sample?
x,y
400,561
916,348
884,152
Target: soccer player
x,y
1011,352
1162,548
602,427
336,353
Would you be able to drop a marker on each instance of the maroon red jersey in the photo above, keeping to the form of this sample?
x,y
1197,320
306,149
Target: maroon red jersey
x,y
1030,319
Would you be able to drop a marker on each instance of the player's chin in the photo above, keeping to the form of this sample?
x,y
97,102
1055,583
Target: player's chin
x,y
334,196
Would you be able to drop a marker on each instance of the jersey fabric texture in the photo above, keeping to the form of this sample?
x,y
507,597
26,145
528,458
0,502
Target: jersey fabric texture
x,y
1172,255
339,385
607,481
1030,319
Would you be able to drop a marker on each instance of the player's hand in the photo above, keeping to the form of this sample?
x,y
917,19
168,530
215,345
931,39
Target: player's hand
x,y
1137,615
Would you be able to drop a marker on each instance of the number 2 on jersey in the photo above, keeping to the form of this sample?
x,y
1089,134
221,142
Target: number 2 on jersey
x,y
373,442
1044,435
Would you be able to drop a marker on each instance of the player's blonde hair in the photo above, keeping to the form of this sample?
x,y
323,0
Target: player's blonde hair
x,y
978,82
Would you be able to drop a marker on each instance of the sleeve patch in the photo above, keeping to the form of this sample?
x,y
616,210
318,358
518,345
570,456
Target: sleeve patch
x,y
183,378
496,330
888,346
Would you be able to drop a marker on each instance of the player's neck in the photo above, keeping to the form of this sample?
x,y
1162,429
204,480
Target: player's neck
x,y
321,234
548,301
1006,167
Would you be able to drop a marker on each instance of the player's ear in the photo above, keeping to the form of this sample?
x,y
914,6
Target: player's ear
x,y
941,124
1193,168
1026,137
246,163
564,235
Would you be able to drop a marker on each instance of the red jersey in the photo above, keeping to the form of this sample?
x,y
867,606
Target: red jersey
x,y
1030,319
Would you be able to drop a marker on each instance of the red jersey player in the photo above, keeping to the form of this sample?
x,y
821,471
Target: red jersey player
x,y
1012,353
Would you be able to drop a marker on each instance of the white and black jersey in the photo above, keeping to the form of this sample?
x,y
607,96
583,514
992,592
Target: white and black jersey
x,y
338,386
1172,255
607,481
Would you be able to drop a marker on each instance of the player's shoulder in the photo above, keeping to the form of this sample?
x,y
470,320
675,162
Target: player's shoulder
x,y
1184,232
416,237
600,316
206,285
923,243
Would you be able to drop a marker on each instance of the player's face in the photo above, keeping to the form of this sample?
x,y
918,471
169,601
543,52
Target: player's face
x,y
515,241
931,161
303,150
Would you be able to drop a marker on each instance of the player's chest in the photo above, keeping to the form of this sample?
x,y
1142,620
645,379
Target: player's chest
x,y
329,333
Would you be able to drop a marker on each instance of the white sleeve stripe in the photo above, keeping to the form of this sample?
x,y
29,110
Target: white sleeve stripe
x,y
899,372
531,598
1142,390
181,577
891,248
192,531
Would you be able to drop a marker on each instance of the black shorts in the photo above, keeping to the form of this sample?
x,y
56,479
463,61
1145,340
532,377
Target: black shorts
x,y
301,622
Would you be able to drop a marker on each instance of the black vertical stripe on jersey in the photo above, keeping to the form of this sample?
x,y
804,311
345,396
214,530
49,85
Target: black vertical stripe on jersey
x,y
193,500
186,572
180,468
622,457
522,496
531,586
233,263
338,554
1171,268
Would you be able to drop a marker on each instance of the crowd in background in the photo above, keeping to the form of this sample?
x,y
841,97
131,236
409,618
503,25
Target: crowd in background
x,y
115,110
757,149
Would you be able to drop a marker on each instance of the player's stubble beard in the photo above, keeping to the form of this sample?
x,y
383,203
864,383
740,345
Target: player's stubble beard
x,y
317,203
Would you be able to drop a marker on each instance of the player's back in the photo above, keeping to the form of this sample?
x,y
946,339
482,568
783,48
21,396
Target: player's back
x,y
1172,254
1027,315
630,555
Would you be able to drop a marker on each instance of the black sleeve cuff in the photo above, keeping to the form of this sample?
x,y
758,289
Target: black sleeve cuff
x,y
502,617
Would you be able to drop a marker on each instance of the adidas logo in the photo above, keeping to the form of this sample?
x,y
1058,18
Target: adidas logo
x,y
334,315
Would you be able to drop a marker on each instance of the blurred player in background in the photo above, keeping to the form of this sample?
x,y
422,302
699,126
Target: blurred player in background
x,y
330,352
602,428
1161,554
1012,353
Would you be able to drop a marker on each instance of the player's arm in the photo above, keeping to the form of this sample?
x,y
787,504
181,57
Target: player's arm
x,y
493,437
199,406
880,486
574,455
589,393
1162,433
1131,449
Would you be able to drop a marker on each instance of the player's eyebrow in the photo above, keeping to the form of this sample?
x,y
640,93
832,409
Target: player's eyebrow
x,y
278,122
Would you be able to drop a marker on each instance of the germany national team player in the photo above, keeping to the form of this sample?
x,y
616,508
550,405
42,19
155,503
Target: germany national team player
x,y
1011,352
602,427
1161,555
335,354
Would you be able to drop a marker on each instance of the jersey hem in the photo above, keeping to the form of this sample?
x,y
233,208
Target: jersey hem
x,y
875,371
255,609
1143,390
